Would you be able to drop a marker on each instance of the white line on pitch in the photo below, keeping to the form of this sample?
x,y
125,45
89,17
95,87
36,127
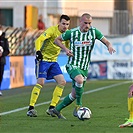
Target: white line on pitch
x,y
91,91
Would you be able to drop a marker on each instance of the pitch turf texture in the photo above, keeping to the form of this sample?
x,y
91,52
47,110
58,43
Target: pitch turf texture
x,y
107,100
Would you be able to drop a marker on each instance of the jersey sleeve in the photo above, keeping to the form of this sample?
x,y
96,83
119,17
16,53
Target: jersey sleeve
x,y
99,35
66,35
67,43
40,41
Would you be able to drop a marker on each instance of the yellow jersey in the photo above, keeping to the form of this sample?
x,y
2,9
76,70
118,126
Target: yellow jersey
x,y
45,43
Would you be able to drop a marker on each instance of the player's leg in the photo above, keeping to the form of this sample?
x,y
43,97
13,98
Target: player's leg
x,y
56,73
34,96
57,93
67,101
58,90
35,92
78,80
129,122
40,70
79,88
79,77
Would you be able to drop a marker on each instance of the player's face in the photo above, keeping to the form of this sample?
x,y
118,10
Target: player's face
x,y
63,25
85,23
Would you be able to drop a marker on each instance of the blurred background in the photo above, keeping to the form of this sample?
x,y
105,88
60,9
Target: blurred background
x,y
19,19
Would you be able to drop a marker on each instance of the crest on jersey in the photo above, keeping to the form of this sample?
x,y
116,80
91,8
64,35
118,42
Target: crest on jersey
x,y
44,33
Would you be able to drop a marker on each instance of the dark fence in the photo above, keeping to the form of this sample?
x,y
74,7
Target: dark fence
x,y
21,41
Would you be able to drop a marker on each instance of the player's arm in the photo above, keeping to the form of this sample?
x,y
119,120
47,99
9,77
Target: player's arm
x,y
58,41
100,37
39,42
108,44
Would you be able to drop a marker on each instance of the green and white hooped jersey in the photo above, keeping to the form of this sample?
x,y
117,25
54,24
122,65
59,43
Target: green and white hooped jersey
x,y
81,45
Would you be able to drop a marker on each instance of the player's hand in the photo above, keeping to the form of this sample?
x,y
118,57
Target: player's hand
x,y
130,93
39,55
111,50
68,52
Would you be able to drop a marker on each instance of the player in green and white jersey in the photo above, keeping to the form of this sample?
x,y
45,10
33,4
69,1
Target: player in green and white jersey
x,y
82,39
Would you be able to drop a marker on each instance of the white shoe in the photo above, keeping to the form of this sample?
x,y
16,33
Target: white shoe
x,y
1,93
128,123
32,113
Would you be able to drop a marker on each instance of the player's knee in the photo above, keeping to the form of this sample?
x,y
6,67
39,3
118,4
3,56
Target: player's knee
x,y
79,82
79,79
62,82
40,81
130,93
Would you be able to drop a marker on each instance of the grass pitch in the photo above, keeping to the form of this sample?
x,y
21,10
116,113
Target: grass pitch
x,y
107,100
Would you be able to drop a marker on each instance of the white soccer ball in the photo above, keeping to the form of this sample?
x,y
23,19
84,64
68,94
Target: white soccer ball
x,y
84,113
1,49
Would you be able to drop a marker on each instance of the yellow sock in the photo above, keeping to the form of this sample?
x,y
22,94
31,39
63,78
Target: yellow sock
x,y
131,116
130,108
34,94
56,95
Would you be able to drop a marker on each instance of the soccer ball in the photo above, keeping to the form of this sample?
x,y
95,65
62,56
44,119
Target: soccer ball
x,y
84,113
1,49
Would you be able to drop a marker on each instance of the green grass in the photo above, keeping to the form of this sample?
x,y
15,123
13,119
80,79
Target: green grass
x,y
108,106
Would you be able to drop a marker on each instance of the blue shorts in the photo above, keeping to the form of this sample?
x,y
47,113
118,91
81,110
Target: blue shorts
x,y
46,69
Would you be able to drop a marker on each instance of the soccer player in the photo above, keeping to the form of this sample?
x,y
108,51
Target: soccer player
x,y
129,122
82,39
46,64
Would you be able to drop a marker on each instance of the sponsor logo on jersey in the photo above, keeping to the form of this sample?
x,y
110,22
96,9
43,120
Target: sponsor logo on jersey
x,y
82,43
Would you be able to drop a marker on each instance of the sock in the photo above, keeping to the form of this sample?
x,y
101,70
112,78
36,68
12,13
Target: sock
x,y
31,107
56,95
67,100
51,107
79,92
130,108
34,94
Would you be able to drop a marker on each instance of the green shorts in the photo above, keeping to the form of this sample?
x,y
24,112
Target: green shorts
x,y
73,71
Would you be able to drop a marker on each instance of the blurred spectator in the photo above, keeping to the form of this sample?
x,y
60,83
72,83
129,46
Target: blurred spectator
x,y
41,24
4,51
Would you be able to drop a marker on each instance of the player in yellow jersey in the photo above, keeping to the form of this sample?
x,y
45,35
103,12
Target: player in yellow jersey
x,y
47,66
129,122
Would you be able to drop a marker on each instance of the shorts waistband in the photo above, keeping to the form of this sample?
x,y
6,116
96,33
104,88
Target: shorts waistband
x,y
49,60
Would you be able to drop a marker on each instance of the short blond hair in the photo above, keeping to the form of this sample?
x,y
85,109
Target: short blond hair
x,y
87,15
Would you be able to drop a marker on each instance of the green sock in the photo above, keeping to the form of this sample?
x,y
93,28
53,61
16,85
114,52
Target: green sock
x,y
67,100
79,92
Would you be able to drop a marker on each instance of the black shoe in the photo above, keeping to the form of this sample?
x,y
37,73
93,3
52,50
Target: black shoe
x,y
50,112
75,111
58,114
